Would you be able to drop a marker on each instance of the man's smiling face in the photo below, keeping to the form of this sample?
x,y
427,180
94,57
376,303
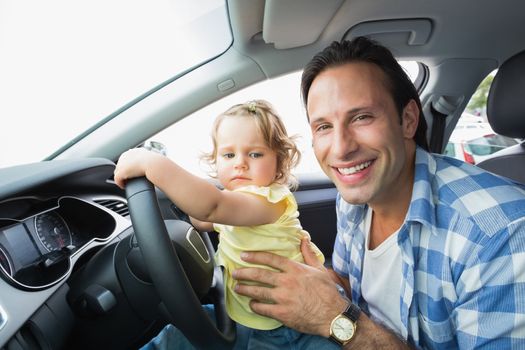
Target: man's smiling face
x,y
358,137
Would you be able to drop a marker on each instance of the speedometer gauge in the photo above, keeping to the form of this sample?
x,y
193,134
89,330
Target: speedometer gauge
x,y
52,231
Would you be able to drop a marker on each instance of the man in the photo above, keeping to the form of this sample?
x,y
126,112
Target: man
x,y
430,249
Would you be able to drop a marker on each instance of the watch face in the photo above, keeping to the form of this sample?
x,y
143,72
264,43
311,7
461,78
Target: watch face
x,y
343,329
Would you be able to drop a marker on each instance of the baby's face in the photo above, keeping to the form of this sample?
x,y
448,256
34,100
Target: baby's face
x,y
243,158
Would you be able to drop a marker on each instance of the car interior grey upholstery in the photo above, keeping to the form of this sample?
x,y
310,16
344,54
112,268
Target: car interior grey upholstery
x,y
506,115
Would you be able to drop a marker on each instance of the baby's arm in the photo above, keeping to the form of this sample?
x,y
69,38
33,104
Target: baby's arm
x,y
194,195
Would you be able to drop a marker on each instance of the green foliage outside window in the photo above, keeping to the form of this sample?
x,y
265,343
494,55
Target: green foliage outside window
x,y
478,102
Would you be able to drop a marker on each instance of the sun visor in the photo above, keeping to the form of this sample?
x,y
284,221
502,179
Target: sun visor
x,y
284,21
412,32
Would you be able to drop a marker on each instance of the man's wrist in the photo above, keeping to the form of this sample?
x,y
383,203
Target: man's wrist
x,y
344,326
339,305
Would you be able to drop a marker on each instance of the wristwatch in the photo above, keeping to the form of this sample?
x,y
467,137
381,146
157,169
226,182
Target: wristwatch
x,y
344,325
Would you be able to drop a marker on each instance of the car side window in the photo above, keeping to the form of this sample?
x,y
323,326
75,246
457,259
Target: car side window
x,y
473,139
449,150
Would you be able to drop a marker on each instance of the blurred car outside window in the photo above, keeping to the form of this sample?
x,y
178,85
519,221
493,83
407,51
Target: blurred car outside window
x,y
473,139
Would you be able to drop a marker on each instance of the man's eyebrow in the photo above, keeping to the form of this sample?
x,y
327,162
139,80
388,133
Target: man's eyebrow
x,y
316,120
356,110
350,112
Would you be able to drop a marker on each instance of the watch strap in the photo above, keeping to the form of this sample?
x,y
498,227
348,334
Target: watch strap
x,y
352,311
335,341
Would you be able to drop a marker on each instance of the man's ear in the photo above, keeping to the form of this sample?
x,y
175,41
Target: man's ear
x,y
410,119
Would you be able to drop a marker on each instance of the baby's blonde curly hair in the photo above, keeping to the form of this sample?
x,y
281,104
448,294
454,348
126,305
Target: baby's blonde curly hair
x,y
274,134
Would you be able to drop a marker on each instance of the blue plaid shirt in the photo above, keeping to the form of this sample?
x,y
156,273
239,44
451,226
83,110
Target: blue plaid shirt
x,y
463,257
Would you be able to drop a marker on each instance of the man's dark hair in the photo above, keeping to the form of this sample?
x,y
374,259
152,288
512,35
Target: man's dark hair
x,y
362,49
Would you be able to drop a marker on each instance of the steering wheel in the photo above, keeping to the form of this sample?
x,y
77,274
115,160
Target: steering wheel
x,y
168,275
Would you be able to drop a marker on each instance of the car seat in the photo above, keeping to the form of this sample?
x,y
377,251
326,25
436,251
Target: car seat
x,y
506,116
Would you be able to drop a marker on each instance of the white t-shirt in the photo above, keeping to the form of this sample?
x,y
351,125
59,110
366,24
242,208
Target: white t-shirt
x,y
381,282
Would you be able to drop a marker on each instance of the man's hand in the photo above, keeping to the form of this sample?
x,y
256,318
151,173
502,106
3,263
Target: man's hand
x,y
301,296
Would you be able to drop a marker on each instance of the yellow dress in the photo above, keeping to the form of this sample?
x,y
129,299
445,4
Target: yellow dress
x,y
282,237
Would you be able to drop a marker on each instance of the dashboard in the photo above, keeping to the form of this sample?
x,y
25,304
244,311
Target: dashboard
x,y
39,238
53,217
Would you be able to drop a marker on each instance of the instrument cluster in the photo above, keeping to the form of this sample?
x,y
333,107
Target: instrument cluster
x,y
35,249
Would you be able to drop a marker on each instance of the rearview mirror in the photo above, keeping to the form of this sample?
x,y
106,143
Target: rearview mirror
x,y
156,147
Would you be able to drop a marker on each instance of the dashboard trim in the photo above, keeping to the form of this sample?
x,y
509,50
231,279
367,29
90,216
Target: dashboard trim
x,y
3,318
191,231
8,263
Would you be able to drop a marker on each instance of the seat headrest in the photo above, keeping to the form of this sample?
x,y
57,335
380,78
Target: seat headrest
x,y
506,99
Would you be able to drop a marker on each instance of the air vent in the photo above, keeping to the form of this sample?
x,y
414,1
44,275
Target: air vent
x,y
117,206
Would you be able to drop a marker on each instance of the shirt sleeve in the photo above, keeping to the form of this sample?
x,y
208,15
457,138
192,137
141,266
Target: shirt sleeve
x,y
274,193
490,310
339,254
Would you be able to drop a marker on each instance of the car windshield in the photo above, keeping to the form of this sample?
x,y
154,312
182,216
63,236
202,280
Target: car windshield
x,y
66,65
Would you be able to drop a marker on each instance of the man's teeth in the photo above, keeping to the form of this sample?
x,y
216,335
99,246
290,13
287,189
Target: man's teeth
x,y
354,169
